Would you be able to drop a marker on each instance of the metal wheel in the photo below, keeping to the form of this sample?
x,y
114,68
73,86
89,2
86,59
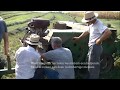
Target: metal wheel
x,y
106,63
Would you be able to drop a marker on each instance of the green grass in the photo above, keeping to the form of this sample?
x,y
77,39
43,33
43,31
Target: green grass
x,y
22,18
78,19
14,14
114,23
48,16
63,17
9,76
2,13
12,28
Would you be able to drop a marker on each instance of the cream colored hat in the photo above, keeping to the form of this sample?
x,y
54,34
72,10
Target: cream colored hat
x,y
1,18
89,16
34,40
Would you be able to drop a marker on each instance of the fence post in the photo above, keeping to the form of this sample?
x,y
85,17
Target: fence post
x,y
8,63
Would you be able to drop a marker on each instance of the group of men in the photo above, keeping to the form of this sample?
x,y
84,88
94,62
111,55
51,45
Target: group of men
x,y
29,61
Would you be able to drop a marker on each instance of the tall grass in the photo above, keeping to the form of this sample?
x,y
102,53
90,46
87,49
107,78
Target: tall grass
x,y
102,14
109,15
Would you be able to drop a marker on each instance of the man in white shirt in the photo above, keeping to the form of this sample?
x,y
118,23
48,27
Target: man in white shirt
x,y
98,33
62,59
27,58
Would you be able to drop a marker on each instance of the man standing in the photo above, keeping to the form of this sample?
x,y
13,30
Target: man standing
x,y
4,35
98,33
27,58
61,58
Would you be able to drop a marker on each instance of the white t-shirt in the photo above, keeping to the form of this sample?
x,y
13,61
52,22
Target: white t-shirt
x,y
62,59
26,58
96,31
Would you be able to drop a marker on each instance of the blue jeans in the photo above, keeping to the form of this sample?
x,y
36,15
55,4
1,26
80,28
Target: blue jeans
x,y
41,73
50,73
94,61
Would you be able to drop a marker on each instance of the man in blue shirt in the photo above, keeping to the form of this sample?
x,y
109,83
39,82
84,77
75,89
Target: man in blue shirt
x,y
4,35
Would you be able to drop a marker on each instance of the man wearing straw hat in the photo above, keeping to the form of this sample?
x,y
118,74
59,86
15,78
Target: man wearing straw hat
x,y
97,34
26,58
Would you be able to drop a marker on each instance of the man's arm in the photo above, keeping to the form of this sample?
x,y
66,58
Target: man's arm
x,y
81,36
48,56
47,62
106,34
43,58
6,43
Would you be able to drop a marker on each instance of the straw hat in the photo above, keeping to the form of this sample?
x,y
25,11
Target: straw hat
x,y
1,18
89,16
34,40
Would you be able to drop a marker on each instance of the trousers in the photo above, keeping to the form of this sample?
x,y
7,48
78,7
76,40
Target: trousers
x,y
94,54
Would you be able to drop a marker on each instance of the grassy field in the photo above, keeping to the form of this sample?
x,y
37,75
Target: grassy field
x,y
23,17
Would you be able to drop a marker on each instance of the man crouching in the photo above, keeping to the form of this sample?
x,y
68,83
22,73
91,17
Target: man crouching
x,y
26,58
62,60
